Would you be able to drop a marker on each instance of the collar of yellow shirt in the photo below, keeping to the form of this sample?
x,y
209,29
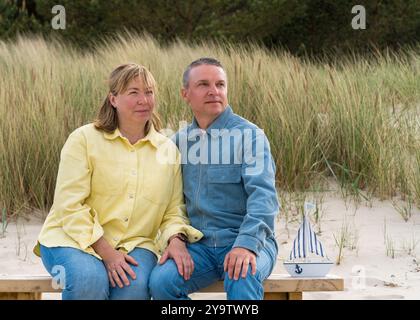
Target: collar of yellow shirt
x,y
152,136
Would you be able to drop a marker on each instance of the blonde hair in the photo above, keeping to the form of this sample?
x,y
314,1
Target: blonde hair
x,y
119,79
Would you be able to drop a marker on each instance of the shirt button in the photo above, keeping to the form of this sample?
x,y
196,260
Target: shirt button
x,y
125,219
133,172
131,196
131,150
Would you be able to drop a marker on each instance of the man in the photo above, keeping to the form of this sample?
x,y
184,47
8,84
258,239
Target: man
x,y
229,189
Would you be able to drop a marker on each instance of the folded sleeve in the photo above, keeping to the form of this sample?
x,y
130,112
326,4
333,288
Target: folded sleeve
x,y
78,220
175,219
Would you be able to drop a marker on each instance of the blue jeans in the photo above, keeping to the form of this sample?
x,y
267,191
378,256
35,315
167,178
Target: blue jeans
x,y
86,278
167,284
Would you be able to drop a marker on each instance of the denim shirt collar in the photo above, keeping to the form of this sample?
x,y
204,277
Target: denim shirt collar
x,y
218,124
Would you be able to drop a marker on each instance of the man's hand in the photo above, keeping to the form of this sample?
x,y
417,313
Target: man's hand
x,y
177,250
237,259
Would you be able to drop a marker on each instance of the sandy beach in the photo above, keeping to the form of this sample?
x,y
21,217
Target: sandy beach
x,y
380,256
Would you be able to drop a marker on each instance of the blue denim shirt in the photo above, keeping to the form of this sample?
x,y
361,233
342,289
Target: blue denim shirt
x,y
229,183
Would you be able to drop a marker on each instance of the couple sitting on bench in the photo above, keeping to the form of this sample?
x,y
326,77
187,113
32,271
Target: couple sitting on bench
x,y
121,187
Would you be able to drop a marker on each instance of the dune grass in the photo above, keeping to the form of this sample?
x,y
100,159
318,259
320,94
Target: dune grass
x,y
356,120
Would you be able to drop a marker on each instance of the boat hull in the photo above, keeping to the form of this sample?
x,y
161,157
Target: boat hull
x,y
308,269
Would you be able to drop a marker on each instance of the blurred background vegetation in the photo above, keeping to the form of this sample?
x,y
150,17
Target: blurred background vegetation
x,y
301,26
337,104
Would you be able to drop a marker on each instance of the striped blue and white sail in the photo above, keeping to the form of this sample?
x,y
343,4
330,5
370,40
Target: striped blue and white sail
x,y
306,241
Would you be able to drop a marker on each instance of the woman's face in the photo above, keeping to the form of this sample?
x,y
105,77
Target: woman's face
x,y
136,104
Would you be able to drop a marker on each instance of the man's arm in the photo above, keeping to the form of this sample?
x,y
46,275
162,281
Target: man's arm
x,y
258,174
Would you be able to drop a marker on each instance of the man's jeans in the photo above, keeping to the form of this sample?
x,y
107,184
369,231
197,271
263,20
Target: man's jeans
x,y
85,276
167,284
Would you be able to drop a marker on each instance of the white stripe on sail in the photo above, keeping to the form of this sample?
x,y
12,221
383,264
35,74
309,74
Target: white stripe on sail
x,y
311,236
305,237
298,237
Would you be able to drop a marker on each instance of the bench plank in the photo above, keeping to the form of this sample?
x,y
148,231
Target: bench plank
x,y
27,284
276,287
20,295
285,283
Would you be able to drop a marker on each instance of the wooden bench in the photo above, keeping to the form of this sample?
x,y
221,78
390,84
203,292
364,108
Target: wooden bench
x,y
276,287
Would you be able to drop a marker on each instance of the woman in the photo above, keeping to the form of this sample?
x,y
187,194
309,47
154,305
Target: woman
x,y
116,206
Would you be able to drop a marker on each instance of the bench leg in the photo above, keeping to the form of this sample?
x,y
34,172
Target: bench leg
x,y
20,295
295,295
283,296
275,296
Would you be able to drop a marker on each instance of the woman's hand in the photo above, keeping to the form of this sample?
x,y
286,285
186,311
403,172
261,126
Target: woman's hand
x,y
117,267
115,263
177,250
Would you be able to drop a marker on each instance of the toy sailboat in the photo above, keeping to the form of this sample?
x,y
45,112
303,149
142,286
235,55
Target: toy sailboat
x,y
307,257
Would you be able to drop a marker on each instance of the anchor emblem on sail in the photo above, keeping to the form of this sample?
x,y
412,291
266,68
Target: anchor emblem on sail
x,y
298,269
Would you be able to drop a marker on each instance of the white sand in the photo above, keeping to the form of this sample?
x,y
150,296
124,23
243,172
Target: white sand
x,y
368,271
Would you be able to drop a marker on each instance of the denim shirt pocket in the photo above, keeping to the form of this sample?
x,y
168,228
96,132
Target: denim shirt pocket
x,y
225,188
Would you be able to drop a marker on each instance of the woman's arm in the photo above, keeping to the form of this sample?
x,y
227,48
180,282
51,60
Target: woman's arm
x,y
175,222
78,220
175,218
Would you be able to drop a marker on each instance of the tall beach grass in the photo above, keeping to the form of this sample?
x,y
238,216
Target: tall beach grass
x,y
356,120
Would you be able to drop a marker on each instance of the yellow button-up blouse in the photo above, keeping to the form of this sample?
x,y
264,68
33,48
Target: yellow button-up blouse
x,y
108,187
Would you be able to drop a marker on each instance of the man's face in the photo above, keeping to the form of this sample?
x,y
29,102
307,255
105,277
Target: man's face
x,y
207,91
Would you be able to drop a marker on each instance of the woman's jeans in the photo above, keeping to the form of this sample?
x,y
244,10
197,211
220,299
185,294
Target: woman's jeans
x,y
83,276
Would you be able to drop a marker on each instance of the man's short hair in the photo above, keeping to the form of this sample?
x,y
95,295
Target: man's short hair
x,y
196,63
